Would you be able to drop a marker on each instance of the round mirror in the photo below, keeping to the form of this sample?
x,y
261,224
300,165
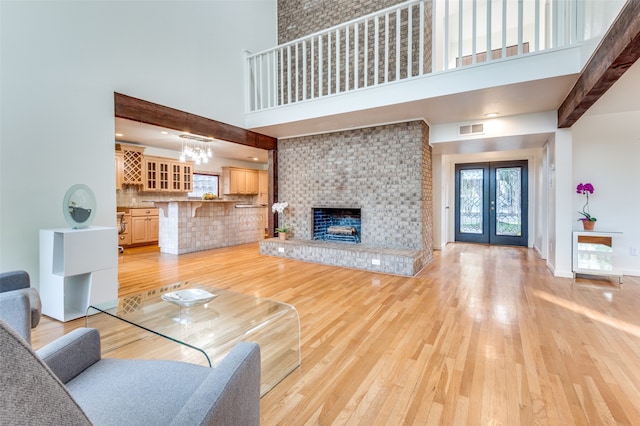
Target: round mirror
x,y
79,206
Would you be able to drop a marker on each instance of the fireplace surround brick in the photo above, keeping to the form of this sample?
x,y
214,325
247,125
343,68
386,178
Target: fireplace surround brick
x,y
386,170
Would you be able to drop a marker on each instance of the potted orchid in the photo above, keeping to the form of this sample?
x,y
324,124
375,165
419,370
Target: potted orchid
x,y
283,229
588,221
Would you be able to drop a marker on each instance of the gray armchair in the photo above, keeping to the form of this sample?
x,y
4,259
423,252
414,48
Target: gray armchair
x,y
12,284
67,382
20,281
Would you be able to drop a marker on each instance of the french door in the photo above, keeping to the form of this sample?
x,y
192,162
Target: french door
x,y
491,203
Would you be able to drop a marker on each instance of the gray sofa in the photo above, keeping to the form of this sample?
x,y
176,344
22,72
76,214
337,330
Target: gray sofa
x,y
67,382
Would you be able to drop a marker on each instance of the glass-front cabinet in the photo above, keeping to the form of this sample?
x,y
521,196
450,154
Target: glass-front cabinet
x,y
594,253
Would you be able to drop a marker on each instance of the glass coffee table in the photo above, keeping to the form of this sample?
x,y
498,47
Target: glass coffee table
x,y
200,324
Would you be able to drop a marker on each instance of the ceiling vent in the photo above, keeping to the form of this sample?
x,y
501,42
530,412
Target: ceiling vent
x,y
471,129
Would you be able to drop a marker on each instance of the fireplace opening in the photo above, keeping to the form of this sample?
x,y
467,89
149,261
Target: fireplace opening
x,y
336,224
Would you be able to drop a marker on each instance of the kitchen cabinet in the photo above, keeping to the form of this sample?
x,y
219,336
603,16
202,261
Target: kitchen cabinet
x,y
144,226
132,164
156,174
119,169
240,181
594,253
163,174
181,177
152,173
251,182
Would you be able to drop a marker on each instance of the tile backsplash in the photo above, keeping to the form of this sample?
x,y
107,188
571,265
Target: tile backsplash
x,y
131,196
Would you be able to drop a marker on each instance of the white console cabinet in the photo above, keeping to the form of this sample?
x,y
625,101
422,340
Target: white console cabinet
x,y
78,267
594,253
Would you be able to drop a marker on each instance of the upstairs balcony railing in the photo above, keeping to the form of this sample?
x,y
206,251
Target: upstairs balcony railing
x,y
407,41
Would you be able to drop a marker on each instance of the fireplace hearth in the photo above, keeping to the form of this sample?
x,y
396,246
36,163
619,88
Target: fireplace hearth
x,y
337,224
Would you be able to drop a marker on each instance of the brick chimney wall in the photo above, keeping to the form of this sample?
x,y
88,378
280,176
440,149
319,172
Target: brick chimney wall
x,y
384,170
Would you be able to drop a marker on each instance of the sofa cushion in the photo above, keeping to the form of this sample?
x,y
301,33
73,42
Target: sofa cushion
x,y
110,396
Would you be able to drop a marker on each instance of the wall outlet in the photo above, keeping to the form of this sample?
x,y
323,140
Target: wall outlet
x,y
280,249
634,251
375,261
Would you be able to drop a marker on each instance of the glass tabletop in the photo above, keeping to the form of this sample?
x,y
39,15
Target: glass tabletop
x,y
200,324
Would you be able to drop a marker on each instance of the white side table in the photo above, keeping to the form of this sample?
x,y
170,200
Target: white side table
x,y
78,267
594,253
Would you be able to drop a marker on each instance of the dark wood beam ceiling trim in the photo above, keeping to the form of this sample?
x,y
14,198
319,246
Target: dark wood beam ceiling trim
x,y
159,115
618,50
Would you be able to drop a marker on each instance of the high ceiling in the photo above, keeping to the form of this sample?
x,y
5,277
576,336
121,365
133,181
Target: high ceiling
x,y
515,98
618,51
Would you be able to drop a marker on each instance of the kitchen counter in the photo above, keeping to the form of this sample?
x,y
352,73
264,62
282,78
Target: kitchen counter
x,y
149,204
194,225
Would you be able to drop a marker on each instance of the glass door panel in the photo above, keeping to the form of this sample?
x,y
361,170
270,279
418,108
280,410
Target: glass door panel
x,y
471,201
508,208
491,203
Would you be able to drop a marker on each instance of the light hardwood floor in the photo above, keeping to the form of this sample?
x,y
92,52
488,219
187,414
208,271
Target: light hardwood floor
x,y
483,335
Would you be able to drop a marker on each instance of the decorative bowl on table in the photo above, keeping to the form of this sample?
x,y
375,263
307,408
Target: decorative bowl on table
x,y
188,297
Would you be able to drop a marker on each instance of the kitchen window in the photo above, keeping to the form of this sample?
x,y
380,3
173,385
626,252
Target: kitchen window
x,y
204,182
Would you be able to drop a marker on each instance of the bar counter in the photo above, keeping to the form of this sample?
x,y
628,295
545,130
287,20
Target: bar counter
x,y
194,225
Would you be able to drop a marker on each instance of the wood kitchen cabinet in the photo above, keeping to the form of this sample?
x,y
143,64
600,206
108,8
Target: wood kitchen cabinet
x,y
181,177
163,174
251,182
152,173
132,164
156,174
144,226
119,169
240,181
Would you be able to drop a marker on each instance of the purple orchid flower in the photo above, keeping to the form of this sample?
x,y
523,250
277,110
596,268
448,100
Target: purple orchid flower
x,y
585,189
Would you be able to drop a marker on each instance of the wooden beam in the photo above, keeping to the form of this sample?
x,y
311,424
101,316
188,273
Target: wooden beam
x,y
618,50
160,115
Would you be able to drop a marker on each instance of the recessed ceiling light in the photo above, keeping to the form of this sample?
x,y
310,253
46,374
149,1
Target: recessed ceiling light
x,y
253,158
492,114
119,135
164,132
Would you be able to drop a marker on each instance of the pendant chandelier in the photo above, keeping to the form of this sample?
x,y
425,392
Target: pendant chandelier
x,y
196,149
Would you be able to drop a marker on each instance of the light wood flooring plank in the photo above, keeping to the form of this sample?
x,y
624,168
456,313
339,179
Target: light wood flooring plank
x,y
483,335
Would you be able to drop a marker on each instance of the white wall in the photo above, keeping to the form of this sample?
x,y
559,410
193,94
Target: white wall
x,y
606,150
502,133
61,62
440,202
560,217
541,207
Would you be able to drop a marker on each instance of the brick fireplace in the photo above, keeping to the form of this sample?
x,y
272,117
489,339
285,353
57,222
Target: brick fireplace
x,y
385,171
337,224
